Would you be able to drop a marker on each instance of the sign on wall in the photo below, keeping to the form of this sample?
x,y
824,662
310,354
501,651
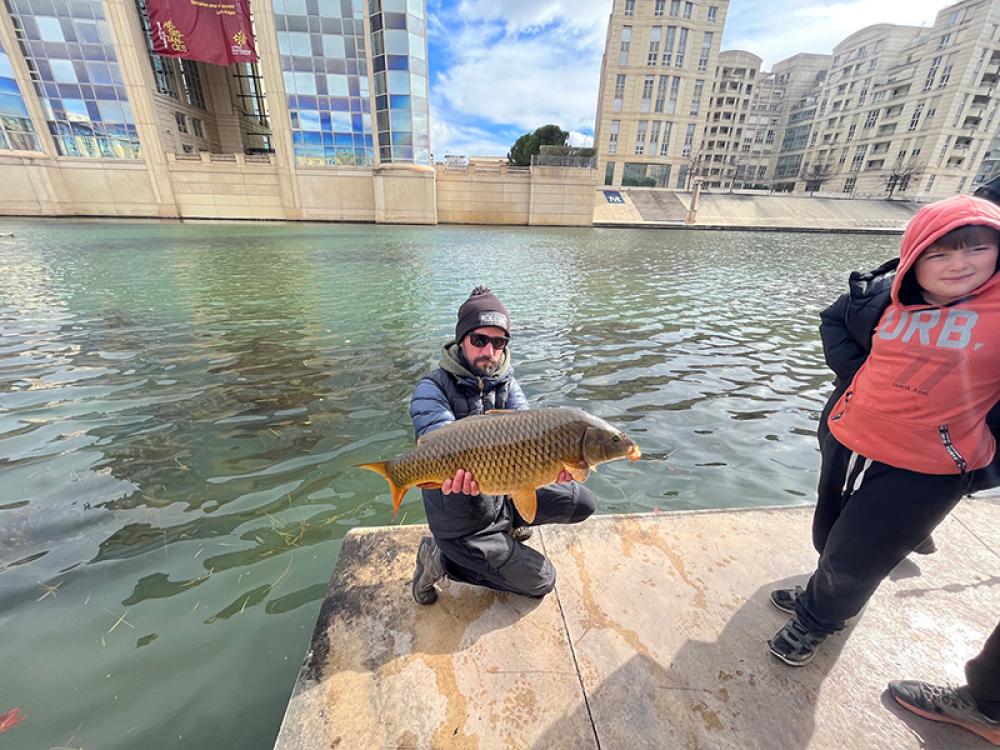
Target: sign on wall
x,y
613,196
212,31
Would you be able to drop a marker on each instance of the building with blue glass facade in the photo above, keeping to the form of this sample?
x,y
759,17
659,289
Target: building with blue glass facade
x,y
336,106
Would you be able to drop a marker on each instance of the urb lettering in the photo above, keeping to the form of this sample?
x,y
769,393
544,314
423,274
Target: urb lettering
x,y
955,332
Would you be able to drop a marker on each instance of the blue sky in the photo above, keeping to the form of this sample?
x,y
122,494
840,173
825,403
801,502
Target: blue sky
x,y
500,68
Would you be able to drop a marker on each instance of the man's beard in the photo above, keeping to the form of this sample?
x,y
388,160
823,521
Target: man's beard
x,y
485,367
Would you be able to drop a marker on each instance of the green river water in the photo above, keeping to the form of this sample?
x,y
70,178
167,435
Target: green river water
x,y
182,406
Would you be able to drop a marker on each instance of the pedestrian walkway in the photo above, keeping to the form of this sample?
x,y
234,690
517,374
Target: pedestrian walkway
x,y
654,638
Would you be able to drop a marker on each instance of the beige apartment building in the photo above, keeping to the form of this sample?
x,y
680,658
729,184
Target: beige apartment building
x,y
736,113
903,111
797,80
659,65
895,111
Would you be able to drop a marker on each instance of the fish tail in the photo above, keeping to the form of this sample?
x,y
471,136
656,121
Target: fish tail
x,y
382,469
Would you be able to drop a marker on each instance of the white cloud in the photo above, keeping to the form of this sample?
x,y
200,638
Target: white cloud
x,y
814,26
581,140
524,84
585,17
450,136
513,66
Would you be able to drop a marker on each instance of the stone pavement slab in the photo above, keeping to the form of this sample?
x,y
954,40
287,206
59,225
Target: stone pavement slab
x,y
654,638
477,669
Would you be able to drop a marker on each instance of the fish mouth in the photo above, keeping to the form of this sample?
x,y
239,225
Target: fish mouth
x,y
633,454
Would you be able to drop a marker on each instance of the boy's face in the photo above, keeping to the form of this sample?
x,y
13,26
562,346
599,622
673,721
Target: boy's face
x,y
948,274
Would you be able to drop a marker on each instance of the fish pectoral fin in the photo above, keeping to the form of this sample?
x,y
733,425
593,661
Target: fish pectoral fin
x,y
579,471
429,485
526,502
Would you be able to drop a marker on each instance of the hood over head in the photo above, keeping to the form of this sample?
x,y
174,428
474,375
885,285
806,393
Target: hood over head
x,y
453,362
931,223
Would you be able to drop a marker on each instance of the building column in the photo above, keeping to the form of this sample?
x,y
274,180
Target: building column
x,y
133,61
277,107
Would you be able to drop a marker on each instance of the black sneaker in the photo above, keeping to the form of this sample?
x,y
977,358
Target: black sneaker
x,y
429,570
521,533
794,644
953,705
784,599
926,547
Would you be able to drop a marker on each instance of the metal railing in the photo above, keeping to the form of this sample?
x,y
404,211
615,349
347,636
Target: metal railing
x,y
558,160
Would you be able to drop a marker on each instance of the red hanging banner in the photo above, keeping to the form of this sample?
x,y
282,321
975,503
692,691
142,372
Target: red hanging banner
x,y
213,31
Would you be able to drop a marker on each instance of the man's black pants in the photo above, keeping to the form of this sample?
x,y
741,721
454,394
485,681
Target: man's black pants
x,y
490,557
983,676
869,516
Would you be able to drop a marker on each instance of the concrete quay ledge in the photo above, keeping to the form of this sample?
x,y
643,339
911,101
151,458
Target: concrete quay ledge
x,y
797,228
653,638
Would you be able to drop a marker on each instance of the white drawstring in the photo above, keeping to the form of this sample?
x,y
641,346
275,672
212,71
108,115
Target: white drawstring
x,y
847,474
861,476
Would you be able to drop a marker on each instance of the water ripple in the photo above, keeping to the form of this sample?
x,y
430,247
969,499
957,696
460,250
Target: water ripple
x,y
182,407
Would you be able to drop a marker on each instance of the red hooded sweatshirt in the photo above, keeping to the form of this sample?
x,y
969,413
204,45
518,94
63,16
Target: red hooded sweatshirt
x,y
919,401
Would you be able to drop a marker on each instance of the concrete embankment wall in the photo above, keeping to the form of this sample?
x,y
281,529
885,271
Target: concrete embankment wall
x,y
494,193
216,186
234,186
801,211
648,207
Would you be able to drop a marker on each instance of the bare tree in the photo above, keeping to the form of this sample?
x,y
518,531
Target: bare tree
x,y
696,167
899,176
737,169
815,175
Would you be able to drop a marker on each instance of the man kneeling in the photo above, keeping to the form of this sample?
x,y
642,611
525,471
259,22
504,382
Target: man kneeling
x,y
478,538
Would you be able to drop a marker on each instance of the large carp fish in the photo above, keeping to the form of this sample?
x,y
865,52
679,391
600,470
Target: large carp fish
x,y
509,453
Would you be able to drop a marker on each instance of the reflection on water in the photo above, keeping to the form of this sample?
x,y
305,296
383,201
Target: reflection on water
x,y
181,408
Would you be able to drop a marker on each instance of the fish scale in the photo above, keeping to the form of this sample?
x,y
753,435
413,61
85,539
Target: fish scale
x,y
508,452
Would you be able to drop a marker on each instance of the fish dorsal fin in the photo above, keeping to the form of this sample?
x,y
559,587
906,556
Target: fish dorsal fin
x,y
426,437
526,502
434,434
501,411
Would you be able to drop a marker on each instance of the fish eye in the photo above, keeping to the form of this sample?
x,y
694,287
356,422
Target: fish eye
x,y
617,439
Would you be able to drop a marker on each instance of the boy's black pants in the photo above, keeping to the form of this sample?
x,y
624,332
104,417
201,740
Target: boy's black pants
x,y
983,676
869,516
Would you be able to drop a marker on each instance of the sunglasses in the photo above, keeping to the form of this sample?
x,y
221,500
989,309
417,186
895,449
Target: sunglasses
x,y
479,340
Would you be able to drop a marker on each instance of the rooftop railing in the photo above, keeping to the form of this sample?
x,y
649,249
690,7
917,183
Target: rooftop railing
x,y
558,160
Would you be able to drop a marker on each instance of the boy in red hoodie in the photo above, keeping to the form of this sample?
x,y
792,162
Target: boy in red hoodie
x,y
911,428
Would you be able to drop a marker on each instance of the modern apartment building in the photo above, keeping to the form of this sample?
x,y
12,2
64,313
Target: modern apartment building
x,y
732,120
749,114
903,111
659,64
331,123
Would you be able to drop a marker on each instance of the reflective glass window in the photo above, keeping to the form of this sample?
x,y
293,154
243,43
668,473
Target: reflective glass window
x,y
70,50
16,129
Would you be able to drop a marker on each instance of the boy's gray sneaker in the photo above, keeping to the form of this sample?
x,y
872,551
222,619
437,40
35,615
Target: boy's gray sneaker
x,y
953,705
784,599
429,570
520,533
794,644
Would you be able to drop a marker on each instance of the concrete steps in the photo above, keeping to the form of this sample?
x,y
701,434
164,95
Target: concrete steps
x,y
659,205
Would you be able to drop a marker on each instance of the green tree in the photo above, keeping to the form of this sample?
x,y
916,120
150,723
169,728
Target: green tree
x,y
529,144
